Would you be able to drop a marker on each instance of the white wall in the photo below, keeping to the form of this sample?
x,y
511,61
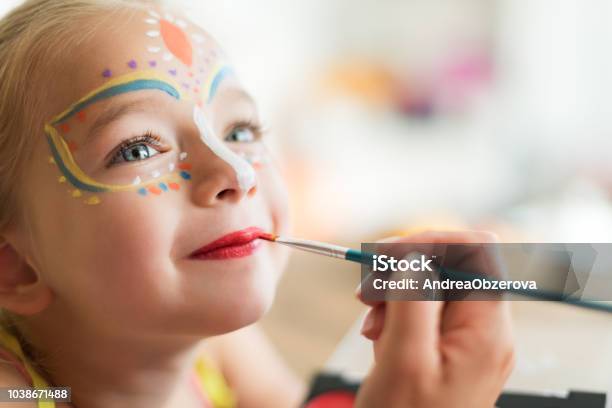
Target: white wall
x,y
6,5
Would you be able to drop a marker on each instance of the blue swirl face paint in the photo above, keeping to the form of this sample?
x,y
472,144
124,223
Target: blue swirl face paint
x,y
216,81
132,86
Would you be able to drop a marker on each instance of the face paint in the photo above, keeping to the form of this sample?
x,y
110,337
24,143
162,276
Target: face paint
x,y
172,32
171,41
245,173
62,151
139,81
256,160
216,78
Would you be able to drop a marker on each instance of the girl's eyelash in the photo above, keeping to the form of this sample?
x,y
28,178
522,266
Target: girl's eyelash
x,y
147,138
154,140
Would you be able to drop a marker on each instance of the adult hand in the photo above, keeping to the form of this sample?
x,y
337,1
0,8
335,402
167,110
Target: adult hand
x,y
434,354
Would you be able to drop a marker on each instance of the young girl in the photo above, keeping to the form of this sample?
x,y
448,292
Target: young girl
x,y
134,185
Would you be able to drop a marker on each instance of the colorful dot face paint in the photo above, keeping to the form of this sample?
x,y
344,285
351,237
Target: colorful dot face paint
x,y
245,173
175,64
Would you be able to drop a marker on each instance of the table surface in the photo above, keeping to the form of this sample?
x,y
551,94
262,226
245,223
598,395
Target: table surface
x,y
559,348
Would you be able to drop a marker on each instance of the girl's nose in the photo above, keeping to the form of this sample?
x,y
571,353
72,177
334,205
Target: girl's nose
x,y
215,183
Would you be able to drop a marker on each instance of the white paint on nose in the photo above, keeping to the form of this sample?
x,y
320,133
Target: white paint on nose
x,y
245,173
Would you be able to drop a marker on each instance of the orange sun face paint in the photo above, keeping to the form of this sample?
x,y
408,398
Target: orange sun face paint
x,y
177,42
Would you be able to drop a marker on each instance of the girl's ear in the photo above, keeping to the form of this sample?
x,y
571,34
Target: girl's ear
x,y
21,290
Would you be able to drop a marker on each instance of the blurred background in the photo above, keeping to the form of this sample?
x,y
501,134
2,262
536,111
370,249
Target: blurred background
x,y
391,116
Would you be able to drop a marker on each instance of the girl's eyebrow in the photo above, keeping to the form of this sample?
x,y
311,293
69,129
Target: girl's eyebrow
x,y
116,111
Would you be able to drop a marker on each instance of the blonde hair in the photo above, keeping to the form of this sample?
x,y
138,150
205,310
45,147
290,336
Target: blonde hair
x,y
31,37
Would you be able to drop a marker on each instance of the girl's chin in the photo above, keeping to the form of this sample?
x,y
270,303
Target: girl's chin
x,y
236,311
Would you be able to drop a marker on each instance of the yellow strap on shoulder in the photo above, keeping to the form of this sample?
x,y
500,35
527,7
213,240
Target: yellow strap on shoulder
x,y
12,344
214,384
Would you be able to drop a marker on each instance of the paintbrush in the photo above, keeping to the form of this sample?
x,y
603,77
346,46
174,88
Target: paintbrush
x,y
353,255
322,248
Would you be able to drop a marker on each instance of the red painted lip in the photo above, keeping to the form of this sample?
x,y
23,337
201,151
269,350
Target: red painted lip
x,y
235,245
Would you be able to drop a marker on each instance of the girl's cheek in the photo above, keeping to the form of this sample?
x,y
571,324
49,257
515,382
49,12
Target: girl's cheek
x,y
278,197
117,239
123,250
275,198
135,227
270,183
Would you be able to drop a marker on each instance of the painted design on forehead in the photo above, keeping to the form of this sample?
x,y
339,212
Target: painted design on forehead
x,y
178,40
245,173
208,91
216,78
171,31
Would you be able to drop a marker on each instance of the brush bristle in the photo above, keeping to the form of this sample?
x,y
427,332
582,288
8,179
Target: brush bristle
x,y
268,237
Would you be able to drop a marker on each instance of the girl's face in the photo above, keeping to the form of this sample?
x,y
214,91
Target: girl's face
x,y
126,186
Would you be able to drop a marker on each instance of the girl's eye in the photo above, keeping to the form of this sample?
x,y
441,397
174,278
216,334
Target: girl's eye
x,y
243,134
138,152
138,149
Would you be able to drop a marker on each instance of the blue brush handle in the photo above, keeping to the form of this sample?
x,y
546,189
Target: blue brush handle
x,y
354,255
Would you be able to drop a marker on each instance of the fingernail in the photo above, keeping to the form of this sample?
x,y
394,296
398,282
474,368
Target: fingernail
x,y
358,290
